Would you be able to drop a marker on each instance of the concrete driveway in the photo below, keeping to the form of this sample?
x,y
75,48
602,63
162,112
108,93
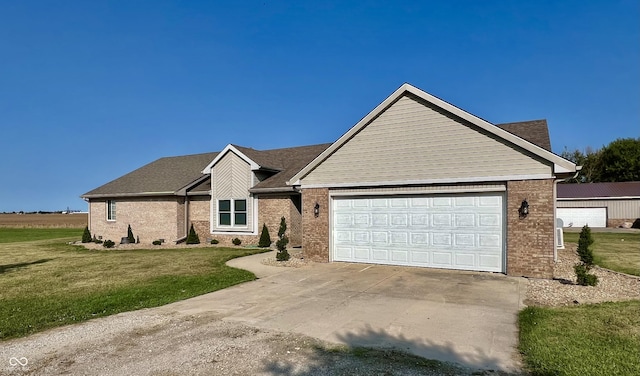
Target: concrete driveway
x,y
464,317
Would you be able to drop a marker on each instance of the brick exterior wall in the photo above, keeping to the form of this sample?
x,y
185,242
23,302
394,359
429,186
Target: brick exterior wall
x,y
530,240
150,219
315,230
270,209
273,207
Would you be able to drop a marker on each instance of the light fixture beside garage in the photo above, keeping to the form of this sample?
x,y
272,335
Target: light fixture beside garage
x,y
316,210
524,208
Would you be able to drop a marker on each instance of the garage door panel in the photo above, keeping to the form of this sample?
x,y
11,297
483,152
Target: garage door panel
x,y
420,257
465,259
456,231
361,254
465,240
442,259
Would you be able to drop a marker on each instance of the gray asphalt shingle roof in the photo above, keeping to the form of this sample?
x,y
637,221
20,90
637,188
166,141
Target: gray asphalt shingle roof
x,y
534,131
163,176
167,176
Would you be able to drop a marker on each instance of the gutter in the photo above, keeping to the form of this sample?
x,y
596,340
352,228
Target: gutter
x,y
273,190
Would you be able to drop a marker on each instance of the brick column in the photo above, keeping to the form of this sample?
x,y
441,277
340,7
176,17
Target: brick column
x,y
315,230
530,240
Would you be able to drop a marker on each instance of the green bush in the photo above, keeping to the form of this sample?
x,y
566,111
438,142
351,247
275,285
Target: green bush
x,y
214,241
130,236
193,236
584,277
236,241
108,244
86,235
281,243
156,242
265,238
584,246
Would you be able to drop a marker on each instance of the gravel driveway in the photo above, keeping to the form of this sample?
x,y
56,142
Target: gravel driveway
x,y
146,343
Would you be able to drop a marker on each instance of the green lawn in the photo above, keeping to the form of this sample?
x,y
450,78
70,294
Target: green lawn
x,y
599,339
10,235
613,250
50,283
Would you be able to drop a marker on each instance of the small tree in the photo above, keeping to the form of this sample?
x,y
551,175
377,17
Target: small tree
x,y
584,246
130,236
193,236
282,242
265,238
585,253
86,235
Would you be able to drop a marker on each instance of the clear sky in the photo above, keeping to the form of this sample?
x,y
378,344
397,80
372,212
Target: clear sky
x,y
90,90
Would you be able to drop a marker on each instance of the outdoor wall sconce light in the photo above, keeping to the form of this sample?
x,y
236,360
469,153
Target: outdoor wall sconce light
x,y
316,210
524,208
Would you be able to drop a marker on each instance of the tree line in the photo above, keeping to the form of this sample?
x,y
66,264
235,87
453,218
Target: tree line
x,y
617,162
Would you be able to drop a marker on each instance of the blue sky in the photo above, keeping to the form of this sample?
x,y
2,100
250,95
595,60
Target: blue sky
x,y
90,90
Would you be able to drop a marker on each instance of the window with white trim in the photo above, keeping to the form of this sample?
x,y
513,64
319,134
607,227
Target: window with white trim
x,y
111,210
232,213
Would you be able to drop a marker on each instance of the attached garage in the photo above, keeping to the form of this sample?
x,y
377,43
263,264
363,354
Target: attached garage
x,y
420,182
462,231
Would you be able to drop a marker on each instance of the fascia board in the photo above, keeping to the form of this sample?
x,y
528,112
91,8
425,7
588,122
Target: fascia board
x,y
231,148
183,191
138,194
560,164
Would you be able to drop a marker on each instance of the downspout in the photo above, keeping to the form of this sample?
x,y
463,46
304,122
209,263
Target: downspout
x,y
555,216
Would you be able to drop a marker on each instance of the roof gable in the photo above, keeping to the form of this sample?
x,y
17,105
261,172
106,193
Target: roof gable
x,y
560,165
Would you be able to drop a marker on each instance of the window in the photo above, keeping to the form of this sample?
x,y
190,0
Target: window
x,y
111,210
232,212
240,212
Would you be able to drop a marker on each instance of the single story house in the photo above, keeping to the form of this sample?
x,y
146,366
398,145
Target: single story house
x,y
599,204
416,182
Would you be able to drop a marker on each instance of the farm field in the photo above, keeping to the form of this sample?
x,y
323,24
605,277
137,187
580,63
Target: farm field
x,y
76,220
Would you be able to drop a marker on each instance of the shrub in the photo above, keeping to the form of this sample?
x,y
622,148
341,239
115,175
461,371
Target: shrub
x,y
584,246
281,243
236,241
156,242
584,278
130,236
265,238
214,241
108,244
583,275
193,237
86,235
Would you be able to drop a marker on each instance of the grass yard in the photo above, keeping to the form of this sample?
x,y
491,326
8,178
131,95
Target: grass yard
x,y
49,283
613,250
12,234
599,339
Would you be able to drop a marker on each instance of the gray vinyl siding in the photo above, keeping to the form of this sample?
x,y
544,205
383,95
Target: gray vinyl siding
x,y
231,179
616,209
413,142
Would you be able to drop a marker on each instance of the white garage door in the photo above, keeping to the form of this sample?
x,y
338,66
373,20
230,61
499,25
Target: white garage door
x,y
578,217
452,232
